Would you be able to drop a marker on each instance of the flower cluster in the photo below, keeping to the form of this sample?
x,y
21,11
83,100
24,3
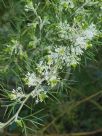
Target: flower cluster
x,y
48,67
17,94
86,35
32,79
40,94
40,42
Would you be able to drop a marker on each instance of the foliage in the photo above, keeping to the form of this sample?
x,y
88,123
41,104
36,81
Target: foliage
x,y
42,44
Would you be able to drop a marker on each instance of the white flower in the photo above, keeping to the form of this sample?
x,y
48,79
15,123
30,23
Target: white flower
x,y
46,75
63,30
60,50
90,32
53,80
74,60
40,67
32,79
78,51
80,41
54,55
85,35
17,94
37,92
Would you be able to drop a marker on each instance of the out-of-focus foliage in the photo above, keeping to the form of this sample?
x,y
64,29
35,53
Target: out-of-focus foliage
x,y
50,65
